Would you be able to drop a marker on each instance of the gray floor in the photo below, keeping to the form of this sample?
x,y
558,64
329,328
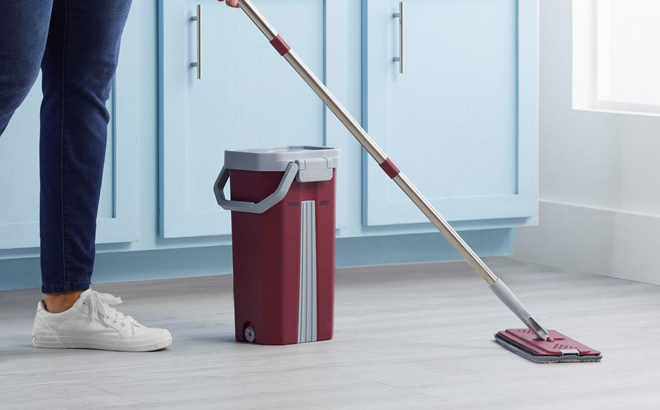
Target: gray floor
x,y
407,337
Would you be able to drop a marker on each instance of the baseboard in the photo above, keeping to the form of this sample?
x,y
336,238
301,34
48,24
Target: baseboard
x,y
595,240
208,261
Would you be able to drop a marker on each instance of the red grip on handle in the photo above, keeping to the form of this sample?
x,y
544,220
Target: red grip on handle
x,y
280,45
390,169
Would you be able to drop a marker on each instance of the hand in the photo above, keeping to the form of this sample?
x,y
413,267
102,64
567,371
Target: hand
x,y
232,3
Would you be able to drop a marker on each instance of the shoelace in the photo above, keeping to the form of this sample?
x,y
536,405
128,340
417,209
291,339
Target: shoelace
x,y
101,304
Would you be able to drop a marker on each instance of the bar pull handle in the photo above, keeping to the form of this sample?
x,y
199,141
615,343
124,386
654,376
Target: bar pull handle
x,y
200,41
402,38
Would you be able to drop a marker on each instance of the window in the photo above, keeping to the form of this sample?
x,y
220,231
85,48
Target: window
x,y
616,56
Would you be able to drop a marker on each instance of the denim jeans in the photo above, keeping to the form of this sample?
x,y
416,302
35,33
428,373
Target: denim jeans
x,y
76,45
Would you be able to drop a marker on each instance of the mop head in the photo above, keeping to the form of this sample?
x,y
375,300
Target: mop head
x,y
557,349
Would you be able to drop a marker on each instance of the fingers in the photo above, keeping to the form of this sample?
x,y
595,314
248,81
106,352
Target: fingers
x,y
231,3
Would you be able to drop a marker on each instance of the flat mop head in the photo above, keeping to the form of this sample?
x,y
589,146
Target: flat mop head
x,y
557,349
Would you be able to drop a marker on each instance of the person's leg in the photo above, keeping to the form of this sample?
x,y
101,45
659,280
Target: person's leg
x,y
79,63
78,66
23,33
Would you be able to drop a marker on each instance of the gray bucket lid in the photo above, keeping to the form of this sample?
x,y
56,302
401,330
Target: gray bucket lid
x,y
277,158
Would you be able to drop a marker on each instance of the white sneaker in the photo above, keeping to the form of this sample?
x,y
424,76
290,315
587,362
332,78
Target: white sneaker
x,y
92,323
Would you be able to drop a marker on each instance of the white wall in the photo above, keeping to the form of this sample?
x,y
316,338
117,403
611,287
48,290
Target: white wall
x,y
599,175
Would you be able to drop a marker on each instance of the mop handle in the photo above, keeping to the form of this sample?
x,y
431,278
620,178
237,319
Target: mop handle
x,y
496,285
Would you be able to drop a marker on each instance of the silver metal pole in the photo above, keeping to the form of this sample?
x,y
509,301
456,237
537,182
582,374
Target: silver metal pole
x,y
445,229
496,285
331,102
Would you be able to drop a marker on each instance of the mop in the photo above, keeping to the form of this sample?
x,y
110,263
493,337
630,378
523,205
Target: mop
x,y
535,342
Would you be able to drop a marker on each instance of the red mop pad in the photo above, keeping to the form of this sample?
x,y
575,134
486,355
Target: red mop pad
x,y
557,349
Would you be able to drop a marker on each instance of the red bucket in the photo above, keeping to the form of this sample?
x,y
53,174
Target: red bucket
x,y
283,238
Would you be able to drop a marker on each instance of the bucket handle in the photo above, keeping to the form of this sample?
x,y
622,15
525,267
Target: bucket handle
x,y
251,207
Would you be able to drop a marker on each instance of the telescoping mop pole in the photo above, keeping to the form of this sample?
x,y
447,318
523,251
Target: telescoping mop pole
x,y
494,283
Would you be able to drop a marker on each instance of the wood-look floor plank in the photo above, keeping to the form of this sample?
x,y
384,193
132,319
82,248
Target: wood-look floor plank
x,y
407,337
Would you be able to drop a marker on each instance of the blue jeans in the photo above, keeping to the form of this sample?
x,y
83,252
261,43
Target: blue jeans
x,y
76,45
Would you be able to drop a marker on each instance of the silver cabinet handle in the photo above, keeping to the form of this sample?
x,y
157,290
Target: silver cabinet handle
x,y
200,41
402,34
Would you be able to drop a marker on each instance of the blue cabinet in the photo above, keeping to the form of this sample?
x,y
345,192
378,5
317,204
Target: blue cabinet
x,y
461,121
248,97
19,162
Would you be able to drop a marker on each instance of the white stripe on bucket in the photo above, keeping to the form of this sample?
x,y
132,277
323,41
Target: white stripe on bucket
x,y
307,330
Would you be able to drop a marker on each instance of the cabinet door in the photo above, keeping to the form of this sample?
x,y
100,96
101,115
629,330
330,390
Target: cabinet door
x,y
248,97
19,161
461,122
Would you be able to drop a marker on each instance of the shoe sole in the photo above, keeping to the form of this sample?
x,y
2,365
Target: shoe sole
x,y
47,340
